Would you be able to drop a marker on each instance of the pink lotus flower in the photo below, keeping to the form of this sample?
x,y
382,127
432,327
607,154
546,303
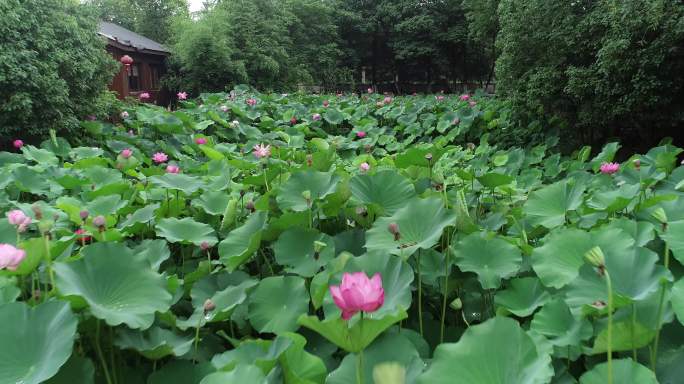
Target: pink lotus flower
x,y
465,97
182,95
160,157
358,293
200,141
361,134
369,90
251,102
440,98
316,117
387,100
224,108
126,153
364,167
124,115
609,168
293,120
10,257
472,103
172,169
82,235
261,151
19,219
18,143
326,103
144,96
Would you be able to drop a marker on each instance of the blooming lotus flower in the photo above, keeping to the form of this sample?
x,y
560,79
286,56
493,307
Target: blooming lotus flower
x,y
364,167
160,157
609,168
358,293
11,257
261,151
18,143
172,169
82,235
224,108
124,115
200,141
387,100
182,95
251,102
316,117
126,153
18,219
144,96
361,134
465,97
326,103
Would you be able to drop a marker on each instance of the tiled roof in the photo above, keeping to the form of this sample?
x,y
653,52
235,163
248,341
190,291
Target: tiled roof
x,y
128,38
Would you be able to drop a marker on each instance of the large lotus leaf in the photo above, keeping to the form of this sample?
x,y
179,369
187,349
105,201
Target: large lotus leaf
x,y
40,156
674,236
625,371
351,336
276,304
560,326
549,205
492,180
186,230
118,286
626,336
490,257
76,370
213,202
397,276
225,290
523,297
642,231
390,347
154,343
36,342
318,184
333,116
242,374
300,366
495,352
678,299
105,205
180,372
614,200
295,249
385,190
154,251
420,224
141,216
635,272
242,242
178,181
261,353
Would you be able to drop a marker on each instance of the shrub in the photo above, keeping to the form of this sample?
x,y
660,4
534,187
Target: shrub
x,y
53,66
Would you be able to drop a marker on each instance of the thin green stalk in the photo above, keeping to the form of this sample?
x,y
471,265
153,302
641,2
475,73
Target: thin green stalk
x,y
359,357
609,287
100,355
199,325
420,297
111,354
634,350
446,290
661,309
48,259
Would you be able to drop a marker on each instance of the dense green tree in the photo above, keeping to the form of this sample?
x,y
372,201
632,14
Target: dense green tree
x,y
53,66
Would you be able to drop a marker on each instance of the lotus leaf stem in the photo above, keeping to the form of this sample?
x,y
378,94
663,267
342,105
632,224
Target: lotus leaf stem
x,y
609,287
661,309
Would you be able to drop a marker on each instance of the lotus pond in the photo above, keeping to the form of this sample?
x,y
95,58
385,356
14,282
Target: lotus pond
x,y
253,238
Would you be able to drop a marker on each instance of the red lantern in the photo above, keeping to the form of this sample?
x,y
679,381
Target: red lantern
x,y
127,61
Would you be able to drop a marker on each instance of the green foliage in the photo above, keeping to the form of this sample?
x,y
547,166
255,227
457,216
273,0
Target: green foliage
x,y
53,67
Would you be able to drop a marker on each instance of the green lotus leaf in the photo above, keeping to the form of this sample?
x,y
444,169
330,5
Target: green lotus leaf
x,y
39,155
614,200
497,351
389,347
678,299
626,336
105,205
261,353
549,205
560,326
8,232
492,180
178,181
141,216
386,190
180,372
351,336
240,375
523,297
213,202
76,370
625,371
154,343
491,258
674,236
300,366
155,252
333,116
277,302
317,185
242,242
36,342
295,249
225,290
641,231
118,286
186,230
420,223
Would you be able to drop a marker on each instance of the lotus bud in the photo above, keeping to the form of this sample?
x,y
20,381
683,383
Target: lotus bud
x,y
637,163
209,306
84,215
242,193
660,215
205,246
393,228
318,247
37,212
307,196
362,211
595,257
250,206
100,222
